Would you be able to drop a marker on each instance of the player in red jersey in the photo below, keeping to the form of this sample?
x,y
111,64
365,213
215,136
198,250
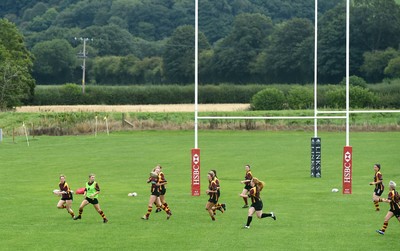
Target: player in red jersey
x,y
66,196
379,187
247,178
257,205
394,210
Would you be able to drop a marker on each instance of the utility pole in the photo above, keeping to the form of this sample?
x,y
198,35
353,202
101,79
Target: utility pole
x,y
83,55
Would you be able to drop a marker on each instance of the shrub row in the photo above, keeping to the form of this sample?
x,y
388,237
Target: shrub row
x,y
261,97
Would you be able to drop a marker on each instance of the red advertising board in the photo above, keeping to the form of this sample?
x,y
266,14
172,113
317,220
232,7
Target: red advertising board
x,y
347,169
195,172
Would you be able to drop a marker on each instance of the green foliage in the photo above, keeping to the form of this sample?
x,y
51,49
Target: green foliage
x,y
268,99
354,81
55,61
250,41
178,63
300,97
234,54
289,58
388,93
375,63
16,83
393,68
359,98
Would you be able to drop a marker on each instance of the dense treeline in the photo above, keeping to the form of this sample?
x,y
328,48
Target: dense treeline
x,y
240,41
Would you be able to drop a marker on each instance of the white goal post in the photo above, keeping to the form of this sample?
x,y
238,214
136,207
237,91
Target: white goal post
x,y
347,154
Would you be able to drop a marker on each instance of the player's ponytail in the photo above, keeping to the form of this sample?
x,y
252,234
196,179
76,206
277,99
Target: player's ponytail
x,y
258,183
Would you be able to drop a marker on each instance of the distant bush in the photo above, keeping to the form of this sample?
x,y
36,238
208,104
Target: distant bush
x,y
354,81
359,98
300,97
268,99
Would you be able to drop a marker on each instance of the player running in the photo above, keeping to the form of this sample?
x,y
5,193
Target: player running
x,y
212,191
394,202
257,205
66,196
218,206
247,178
91,195
379,187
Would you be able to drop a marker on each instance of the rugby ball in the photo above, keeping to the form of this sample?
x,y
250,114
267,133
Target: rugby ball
x,y
335,190
80,190
132,194
56,191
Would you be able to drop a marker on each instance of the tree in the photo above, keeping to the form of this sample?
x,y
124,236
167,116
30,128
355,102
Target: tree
x,y
16,82
179,55
55,62
375,63
393,68
290,56
235,53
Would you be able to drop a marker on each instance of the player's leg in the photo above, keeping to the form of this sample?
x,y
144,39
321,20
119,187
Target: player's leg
x,y
249,217
152,199
83,204
244,192
385,223
60,204
98,209
68,206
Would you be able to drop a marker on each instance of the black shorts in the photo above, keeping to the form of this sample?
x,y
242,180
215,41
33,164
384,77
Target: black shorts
x,y
258,206
156,193
67,197
92,201
396,213
247,187
163,191
378,191
213,199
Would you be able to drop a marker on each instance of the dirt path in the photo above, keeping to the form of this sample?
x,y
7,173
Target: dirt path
x,y
135,108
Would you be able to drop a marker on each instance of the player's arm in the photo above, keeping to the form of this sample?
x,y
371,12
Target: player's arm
x,y
245,181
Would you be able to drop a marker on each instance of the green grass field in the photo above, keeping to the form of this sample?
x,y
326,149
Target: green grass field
x,y
309,215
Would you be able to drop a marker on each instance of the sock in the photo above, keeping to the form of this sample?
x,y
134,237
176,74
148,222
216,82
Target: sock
x,y
80,211
376,205
71,213
102,215
265,215
166,209
166,205
385,225
249,219
245,201
149,209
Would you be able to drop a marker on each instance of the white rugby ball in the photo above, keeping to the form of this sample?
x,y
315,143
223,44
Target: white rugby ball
x,y
56,191
132,194
335,190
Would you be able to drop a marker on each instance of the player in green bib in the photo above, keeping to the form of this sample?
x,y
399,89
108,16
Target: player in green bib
x,y
91,194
